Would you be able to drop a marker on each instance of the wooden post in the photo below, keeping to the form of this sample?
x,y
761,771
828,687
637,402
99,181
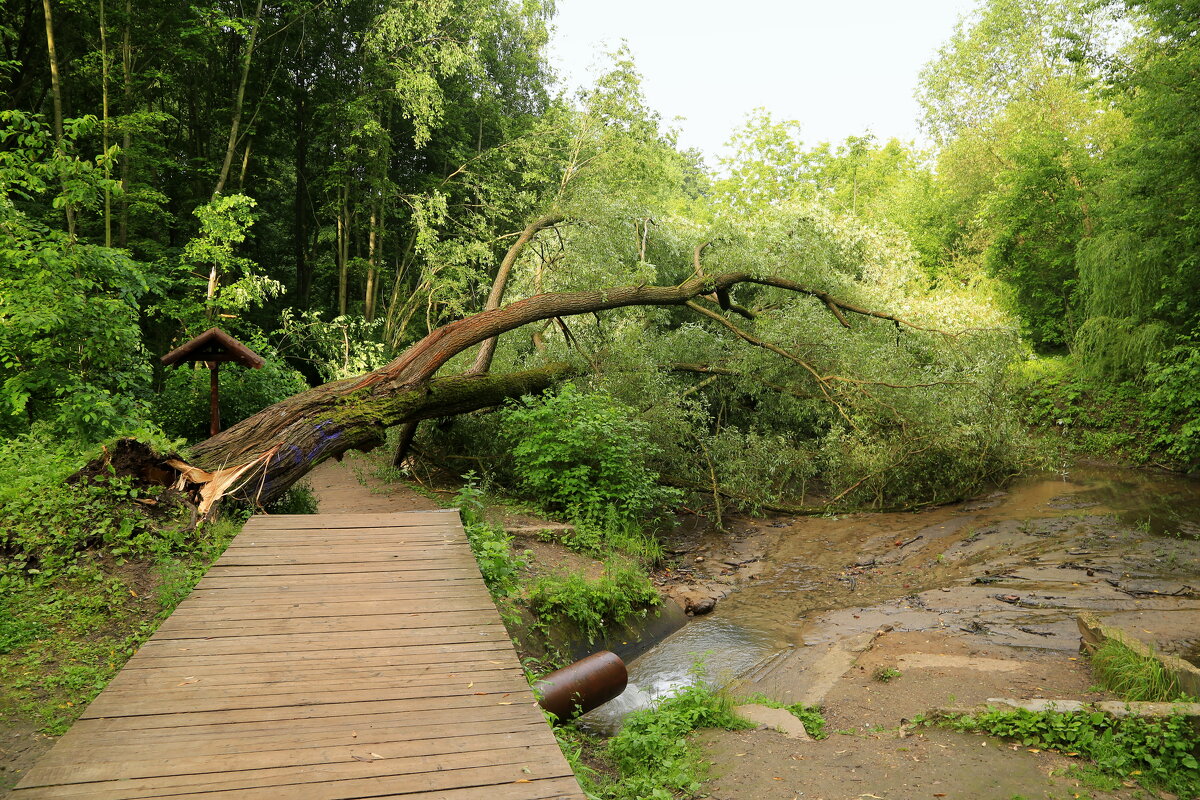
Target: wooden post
x,y
214,400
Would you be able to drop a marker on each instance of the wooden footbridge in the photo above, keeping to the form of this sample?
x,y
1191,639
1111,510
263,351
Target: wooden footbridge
x,y
322,657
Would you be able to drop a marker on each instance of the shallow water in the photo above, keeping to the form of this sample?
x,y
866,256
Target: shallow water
x,y
1096,538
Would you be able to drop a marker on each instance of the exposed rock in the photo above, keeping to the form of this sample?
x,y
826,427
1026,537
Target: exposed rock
x,y
779,719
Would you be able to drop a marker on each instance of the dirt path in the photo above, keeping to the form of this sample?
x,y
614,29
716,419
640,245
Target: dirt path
x,y
339,490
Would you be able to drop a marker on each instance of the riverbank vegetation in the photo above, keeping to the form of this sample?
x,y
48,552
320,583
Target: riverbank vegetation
x,y
546,289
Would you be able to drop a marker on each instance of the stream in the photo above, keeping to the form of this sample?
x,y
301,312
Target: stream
x,y
1011,569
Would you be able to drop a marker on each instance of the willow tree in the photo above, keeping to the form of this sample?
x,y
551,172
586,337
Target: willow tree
x,y
267,453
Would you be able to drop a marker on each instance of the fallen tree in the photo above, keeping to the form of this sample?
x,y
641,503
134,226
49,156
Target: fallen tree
x,y
262,456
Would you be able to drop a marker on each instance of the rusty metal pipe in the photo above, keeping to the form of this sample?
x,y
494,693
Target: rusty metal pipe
x,y
582,686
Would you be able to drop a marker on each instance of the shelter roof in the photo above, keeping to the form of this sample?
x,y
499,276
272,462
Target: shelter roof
x,y
214,345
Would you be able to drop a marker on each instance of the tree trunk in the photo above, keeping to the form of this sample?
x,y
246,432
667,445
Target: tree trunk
x,y
288,439
56,95
483,361
343,246
304,430
104,123
372,241
238,102
127,88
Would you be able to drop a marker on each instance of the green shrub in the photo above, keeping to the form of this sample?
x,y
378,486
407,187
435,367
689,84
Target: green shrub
x,y
621,593
491,545
1175,404
615,535
46,523
1160,752
583,454
651,752
299,499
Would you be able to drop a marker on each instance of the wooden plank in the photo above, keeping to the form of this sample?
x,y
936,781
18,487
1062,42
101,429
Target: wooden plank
x,y
393,591
230,676
329,720
232,684
218,627
427,773
453,651
224,723
195,697
310,553
336,521
182,765
133,749
452,565
304,642
271,608
341,656
373,580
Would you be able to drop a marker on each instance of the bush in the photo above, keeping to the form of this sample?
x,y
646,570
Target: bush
x,y
583,454
1175,404
622,593
491,545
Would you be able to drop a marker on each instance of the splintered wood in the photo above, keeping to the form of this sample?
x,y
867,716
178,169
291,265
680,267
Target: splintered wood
x,y
323,657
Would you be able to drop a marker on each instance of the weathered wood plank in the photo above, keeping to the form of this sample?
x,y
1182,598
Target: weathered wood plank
x,y
339,656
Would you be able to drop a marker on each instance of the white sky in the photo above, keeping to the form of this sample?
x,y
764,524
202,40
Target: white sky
x,y
840,68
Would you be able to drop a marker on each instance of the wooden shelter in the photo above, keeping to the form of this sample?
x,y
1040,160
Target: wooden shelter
x,y
213,347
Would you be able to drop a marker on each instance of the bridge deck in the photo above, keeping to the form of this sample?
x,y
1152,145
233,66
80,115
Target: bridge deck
x,y
322,657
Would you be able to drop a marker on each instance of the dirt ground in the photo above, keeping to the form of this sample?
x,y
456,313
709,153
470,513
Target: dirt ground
x,y
866,755
962,604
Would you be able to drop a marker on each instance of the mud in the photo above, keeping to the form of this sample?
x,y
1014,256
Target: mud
x,y
962,603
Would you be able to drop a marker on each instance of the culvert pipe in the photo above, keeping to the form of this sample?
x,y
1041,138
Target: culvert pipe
x,y
576,689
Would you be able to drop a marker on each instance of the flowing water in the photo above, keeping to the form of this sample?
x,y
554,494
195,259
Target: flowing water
x,y
1014,568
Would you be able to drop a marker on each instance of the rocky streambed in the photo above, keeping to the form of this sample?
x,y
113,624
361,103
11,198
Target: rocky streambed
x,y
958,604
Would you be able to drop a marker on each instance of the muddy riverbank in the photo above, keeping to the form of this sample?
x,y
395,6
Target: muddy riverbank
x,y
958,604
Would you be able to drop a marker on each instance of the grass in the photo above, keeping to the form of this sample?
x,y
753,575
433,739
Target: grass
x,y
651,757
1131,675
66,634
886,674
623,593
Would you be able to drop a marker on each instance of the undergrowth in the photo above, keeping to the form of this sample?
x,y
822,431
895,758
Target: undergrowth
x,y
87,576
1088,417
651,757
621,594
1160,753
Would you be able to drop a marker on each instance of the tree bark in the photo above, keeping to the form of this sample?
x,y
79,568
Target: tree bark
x,y
56,93
325,422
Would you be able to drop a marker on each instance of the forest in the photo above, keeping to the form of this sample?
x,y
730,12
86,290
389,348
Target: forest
x,y
446,256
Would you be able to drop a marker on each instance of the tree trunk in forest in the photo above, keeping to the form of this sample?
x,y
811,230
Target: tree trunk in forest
x,y
238,102
56,93
127,88
483,361
300,206
343,246
104,123
288,439
372,270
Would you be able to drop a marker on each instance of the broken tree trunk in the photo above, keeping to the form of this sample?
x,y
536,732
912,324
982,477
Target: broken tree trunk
x,y
288,439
